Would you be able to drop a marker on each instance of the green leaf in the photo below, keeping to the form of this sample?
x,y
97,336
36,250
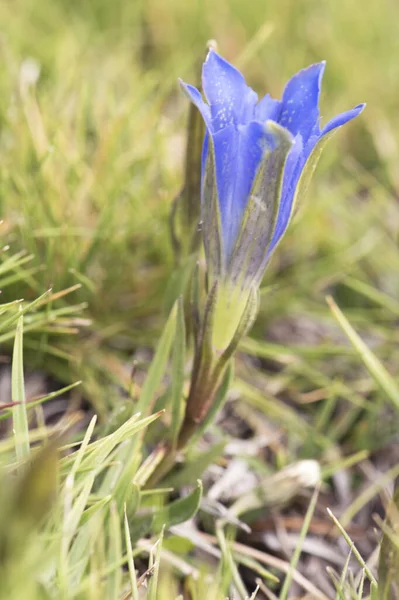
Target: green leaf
x,y
133,499
73,514
36,490
97,452
374,594
22,310
298,548
388,572
19,413
43,399
185,214
353,548
192,166
178,511
126,492
228,566
374,366
140,525
179,352
92,510
195,467
155,562
179,282
158,365
26,501
130,560
114,557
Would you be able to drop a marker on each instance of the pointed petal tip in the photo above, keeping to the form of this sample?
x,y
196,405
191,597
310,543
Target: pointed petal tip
x,y
343,118
357,110
214,57
196,98
209,54
214,61
360,107
316,68
190,91
300,100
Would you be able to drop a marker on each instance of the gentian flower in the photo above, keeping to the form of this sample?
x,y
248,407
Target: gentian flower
x,y
258,157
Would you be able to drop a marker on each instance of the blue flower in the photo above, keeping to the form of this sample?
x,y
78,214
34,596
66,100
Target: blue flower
x,y
258,156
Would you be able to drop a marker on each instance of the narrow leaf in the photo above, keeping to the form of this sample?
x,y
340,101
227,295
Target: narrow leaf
x,y
388,574
158,365
179,511
114,579
298,549
155,562
179,351
20,418
130,560
374,366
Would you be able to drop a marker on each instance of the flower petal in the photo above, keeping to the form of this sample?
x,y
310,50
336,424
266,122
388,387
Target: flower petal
x,y
343,118
300,103
196,98
225,148
302,161
262,209
231,100
237,157
268,109
293,168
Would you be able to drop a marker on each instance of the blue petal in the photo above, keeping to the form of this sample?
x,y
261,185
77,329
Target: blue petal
x,y
230,99
268,108
196,98
292,171
296,161
237,157
225,144
300,110
343,118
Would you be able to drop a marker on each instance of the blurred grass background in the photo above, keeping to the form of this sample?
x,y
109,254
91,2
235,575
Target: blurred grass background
x,y
92,135
92,143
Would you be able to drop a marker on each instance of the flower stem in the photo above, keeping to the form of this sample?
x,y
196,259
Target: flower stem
x,y
202,393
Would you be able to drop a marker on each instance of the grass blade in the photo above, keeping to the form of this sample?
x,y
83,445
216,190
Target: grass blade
x,y
179,351
19,413
374,366
297,552
353,548
130,560
158,365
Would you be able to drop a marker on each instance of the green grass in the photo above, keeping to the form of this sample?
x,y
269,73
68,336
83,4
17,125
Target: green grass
x,y
92,138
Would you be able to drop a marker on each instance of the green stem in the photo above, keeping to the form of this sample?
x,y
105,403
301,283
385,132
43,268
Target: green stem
x,y
192,422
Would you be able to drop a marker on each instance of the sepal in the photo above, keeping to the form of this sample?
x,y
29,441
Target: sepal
x,y
247,320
